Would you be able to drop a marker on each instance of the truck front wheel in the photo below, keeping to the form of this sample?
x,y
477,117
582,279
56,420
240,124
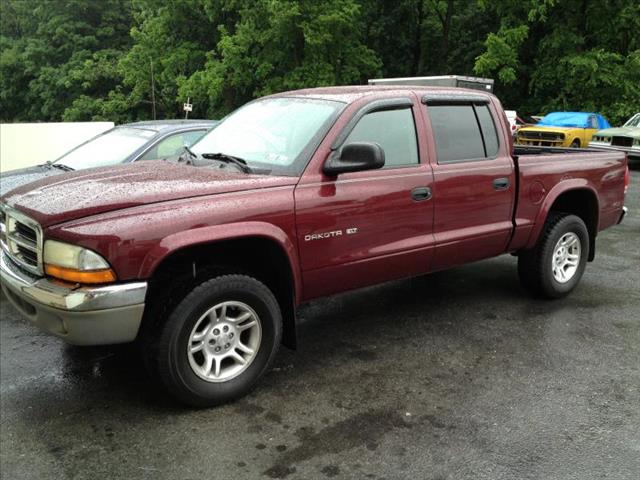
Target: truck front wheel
x,y
219,340
554,267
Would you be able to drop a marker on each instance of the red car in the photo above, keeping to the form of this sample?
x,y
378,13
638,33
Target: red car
x,y
293,197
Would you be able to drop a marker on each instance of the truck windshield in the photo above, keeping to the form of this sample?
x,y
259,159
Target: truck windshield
x,y
106,149
275,134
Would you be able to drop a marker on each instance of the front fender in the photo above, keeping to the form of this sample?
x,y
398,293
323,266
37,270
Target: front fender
x,y
571,135
560,188
216,233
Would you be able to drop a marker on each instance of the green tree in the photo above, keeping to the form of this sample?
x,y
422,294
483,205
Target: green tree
x,y
53,52
569,55
126,60
171,41
281,45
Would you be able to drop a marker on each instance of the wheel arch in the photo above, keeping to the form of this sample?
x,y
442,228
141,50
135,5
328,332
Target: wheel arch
x,y
574,197
260,250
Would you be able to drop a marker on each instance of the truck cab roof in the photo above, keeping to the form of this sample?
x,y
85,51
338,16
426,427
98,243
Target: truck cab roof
x,y
352,93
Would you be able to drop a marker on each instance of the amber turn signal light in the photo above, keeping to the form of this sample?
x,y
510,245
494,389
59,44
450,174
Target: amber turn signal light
x,y
78,276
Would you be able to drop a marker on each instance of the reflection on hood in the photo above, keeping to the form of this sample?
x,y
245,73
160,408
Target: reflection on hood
x,y
90,192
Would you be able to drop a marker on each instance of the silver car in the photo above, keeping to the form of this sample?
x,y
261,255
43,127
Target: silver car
x,y
151,140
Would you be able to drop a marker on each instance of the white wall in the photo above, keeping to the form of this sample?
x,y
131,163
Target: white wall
x,y
26,144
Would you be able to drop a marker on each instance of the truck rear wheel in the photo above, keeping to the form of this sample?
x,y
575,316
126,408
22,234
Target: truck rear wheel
x,y
555,266
219,340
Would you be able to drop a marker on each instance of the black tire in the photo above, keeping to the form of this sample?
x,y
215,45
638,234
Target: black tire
x,y
535,267
575,143
173,367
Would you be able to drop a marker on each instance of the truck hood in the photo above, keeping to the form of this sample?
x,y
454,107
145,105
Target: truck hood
x,y
80,194
633,132
541,128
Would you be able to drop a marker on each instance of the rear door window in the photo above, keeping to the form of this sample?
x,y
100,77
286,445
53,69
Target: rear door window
x,y
463,132
488,130
394,131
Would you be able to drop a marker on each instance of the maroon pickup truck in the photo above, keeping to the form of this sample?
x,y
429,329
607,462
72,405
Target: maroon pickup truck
x,y
204,259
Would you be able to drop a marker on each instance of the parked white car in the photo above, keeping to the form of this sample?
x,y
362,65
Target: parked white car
x,y
515,122
625,138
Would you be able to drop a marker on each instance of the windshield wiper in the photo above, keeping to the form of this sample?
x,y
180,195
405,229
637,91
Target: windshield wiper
x,y
59,166
223,157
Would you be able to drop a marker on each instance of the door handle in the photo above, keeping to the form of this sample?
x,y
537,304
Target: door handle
x,y
421,193
501,183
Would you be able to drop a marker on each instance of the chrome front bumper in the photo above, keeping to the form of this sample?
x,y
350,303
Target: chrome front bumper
x,y
80,315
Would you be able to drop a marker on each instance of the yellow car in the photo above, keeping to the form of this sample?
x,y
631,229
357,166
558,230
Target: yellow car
x,y
563,129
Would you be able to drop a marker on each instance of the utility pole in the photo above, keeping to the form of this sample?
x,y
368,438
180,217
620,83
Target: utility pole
x,y
187,107
153,94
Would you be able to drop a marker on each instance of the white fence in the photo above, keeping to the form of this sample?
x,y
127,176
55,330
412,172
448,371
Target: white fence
x,y
26,144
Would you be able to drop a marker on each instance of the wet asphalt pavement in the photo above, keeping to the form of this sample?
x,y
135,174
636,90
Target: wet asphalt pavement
x,y
457,375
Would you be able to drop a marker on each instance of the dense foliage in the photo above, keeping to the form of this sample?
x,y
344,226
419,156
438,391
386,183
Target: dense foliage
x,y
123,60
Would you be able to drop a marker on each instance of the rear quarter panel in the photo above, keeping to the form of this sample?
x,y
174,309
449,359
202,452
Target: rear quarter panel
x,y
543,178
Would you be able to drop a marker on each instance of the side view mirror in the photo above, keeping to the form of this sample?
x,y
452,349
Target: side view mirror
x,y
355,157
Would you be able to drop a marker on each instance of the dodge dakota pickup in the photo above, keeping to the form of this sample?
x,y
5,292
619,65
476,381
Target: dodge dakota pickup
x,y
203,259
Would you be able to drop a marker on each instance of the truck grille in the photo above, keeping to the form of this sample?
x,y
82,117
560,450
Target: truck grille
x,y
622,141
548,136
21,240
27,232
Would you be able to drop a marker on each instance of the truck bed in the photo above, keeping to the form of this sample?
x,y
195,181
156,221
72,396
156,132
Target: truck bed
x,y
545,173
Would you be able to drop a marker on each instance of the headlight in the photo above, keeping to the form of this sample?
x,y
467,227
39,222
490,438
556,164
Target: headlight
x,y
75,264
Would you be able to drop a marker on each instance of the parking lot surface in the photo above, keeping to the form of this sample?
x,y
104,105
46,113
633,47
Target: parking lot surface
x,y
456,375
